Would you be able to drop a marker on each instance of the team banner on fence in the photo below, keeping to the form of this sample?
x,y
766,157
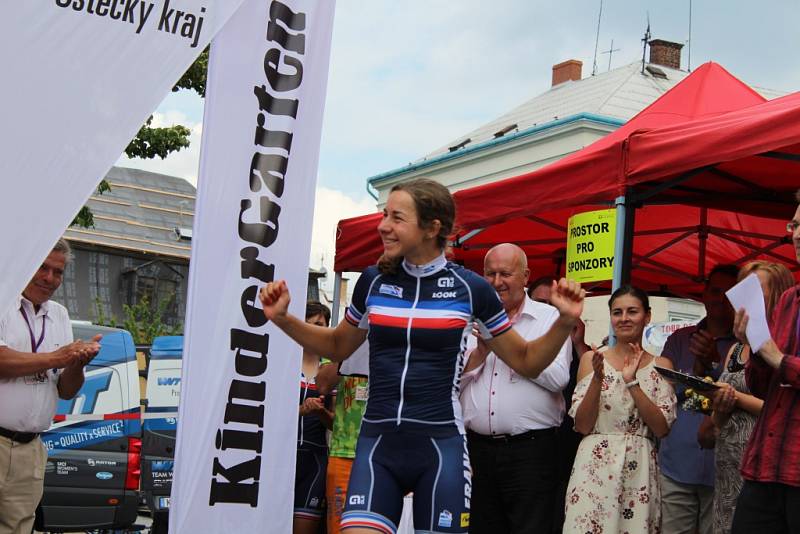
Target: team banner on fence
x,y
79,79
235,457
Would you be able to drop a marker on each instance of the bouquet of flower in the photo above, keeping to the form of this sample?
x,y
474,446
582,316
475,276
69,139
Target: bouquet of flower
x,y
696,401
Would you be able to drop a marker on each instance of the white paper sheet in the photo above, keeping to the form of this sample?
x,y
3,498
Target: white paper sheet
x,y
747,294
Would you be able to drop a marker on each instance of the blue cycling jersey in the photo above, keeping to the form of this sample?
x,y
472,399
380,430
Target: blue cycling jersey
x,y
418,322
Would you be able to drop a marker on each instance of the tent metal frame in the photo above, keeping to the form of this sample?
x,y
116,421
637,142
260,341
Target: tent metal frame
x,y
635,198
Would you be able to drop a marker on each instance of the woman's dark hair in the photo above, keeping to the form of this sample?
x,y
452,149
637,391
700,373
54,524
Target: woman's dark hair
x,y
634,291
314,307
433,202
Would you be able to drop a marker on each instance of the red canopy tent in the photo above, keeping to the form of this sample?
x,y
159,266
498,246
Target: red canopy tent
x,y
673,244
746,160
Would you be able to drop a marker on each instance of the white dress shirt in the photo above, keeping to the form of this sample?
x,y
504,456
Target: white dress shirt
x,y
496,400
28,403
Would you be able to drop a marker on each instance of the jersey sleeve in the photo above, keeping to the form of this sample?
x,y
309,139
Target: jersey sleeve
x,y
356,313
487,310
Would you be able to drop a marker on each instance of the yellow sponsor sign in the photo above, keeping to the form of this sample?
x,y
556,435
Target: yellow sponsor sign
x,y
465,519
590,246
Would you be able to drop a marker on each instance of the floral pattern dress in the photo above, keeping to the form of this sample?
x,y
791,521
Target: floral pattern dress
x,y
614,485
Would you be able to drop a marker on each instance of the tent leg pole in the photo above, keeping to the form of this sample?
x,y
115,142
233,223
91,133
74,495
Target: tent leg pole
x,y
702,237
622,249
623,242
337,298
622,253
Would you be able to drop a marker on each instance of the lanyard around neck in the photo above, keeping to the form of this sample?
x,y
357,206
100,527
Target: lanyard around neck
x,y
34,344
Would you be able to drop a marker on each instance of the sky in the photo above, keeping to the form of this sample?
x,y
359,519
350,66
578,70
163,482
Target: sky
x,y
407,77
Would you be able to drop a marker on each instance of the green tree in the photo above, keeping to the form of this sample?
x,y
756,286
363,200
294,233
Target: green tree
x,y
144,321
151,142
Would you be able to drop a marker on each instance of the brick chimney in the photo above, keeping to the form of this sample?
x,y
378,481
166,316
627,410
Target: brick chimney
x,y
665,53
566,71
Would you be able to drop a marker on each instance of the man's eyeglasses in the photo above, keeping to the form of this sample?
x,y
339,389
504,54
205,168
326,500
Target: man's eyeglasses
x,y
792,226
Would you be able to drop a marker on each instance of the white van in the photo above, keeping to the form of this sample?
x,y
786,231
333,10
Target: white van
x,y
160,424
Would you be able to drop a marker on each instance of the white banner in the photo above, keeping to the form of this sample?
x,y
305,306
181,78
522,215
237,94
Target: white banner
x,y
236,449
656,334
79,79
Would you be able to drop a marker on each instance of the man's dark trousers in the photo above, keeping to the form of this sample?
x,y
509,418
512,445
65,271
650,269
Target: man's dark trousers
x,y
767,507
514,482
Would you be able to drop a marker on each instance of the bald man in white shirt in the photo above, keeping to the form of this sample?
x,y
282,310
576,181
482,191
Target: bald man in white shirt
x,y
512,421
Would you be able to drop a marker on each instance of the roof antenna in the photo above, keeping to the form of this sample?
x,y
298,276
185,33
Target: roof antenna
x,y
645,40
597,39
610,53
689,44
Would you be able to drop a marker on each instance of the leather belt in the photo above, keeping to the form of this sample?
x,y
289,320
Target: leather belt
x,y
19,437
509,438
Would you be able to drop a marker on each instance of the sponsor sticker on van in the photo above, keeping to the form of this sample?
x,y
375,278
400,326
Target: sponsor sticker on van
x,y
104,475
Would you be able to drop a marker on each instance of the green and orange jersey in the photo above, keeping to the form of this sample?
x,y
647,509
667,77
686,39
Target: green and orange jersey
x,y
351,400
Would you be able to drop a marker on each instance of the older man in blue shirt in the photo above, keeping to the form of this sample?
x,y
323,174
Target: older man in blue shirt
x,y
687,471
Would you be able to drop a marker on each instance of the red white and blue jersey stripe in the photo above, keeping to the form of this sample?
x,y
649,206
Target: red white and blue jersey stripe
x,y
418,322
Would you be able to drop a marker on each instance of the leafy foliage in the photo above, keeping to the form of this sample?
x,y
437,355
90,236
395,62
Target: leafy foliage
x,y
151,142
143,320
195,77
85,217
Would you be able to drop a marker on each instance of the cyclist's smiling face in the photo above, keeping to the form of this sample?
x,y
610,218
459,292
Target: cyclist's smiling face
x,y
399,229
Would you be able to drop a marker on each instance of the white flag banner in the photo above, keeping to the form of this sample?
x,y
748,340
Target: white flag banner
x,y
79,79
236,448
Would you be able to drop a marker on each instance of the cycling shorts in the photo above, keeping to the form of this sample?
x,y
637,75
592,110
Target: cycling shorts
x,y
309,483
390,465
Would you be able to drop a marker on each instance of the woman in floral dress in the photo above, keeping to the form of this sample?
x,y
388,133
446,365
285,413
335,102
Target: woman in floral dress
x,y
620,404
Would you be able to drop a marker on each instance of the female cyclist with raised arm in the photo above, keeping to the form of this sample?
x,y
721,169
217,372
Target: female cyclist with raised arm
x,y
417,309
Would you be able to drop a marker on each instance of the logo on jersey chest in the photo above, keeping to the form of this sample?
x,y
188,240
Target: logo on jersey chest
x,y
448,281
443,295
388,289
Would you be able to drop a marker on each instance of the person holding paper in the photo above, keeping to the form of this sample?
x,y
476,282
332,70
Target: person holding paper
x,y
735,408
770,497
